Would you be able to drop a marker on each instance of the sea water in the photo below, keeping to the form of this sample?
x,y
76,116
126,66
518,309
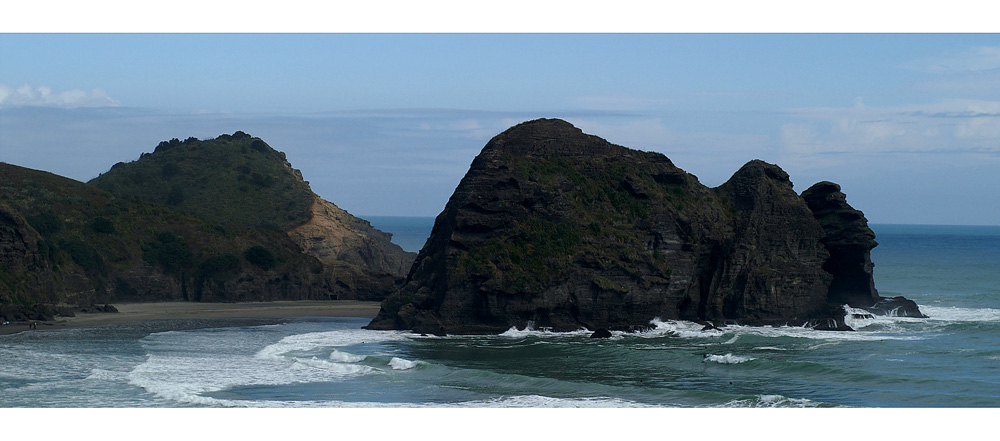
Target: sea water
x,y
951,359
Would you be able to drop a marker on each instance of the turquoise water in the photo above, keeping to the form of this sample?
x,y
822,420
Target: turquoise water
x,y
951,359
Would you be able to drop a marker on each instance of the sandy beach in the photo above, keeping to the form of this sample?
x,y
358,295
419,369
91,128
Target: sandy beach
x,y
132,312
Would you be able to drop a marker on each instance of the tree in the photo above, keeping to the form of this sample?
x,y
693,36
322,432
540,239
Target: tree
x,y
260,256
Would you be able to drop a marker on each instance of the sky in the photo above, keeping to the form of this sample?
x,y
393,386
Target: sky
x,y
387,124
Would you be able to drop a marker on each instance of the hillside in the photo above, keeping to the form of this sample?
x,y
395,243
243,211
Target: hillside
x,y
232,180
239,181
226,219
66,242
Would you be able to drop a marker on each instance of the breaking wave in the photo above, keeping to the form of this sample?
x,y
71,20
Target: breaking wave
x,y
728,358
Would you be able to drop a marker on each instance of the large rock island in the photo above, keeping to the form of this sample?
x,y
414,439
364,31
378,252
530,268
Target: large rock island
x,y
554,228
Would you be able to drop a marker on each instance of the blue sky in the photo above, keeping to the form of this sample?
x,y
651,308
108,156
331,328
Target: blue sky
x,y
387,124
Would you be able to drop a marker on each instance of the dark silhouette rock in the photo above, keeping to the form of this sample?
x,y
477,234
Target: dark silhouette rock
x,y
565,230
896,307
850,241
601,333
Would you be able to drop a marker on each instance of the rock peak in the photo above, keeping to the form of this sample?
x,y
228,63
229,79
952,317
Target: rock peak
x,y
756,168
550,138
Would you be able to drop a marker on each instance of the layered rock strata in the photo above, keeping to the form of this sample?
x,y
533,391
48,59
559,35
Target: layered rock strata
x,y
553,228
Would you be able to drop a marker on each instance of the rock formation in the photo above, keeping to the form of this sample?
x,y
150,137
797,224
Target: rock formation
x,y
557,229
238,181
850,241
360,258
218,220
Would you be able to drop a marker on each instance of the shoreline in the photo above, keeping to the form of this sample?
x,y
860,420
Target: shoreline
x,y
135,312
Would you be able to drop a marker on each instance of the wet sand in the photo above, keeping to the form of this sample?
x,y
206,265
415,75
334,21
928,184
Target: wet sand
x,y
133,312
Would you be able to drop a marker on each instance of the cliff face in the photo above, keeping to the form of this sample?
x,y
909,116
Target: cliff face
x,y
332,234
359,258
19,255
850,241
555,228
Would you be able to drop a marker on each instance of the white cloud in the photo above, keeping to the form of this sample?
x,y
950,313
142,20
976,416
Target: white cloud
x,y
26,95
952,126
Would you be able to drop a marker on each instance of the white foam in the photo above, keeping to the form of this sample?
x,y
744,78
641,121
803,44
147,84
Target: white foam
x,y
174,372
401,364
955,314
728,358
833,336
772,401
346,357
516,401
330,369
328,340
679,328
550,402
530,331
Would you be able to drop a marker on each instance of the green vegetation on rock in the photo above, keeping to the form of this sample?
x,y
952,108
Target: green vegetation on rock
x,y
233,180
68,242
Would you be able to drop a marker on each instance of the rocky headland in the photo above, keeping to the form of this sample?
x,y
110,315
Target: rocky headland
x,y
554,228
219,220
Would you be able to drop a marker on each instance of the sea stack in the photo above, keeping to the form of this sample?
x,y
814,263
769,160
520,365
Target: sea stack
x,y
554,228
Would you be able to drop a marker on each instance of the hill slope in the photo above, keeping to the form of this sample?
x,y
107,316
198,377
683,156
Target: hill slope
x,y
63,241
238,181
226,219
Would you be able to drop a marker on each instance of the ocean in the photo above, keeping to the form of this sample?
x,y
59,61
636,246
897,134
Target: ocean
x,y
951,359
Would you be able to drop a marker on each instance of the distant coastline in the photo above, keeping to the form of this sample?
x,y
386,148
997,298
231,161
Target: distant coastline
x,y
135,312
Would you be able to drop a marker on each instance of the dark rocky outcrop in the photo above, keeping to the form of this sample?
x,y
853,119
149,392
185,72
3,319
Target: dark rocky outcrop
x,y
850,241
601,333
555,228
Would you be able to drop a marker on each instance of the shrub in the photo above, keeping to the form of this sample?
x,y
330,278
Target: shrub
x,y
258,145
85,256
170,251
265,181
260,256
45,223
176,196
170,170
223,266
102,225
167,145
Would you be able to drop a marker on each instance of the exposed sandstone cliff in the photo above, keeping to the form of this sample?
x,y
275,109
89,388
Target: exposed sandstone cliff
x,y
332,234
360,259
556,228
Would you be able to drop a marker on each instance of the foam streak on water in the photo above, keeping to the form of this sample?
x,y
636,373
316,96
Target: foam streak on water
x,y
176,371
728,358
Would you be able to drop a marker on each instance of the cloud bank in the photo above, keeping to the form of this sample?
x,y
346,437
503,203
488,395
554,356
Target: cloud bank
x,y
953,126
26,95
